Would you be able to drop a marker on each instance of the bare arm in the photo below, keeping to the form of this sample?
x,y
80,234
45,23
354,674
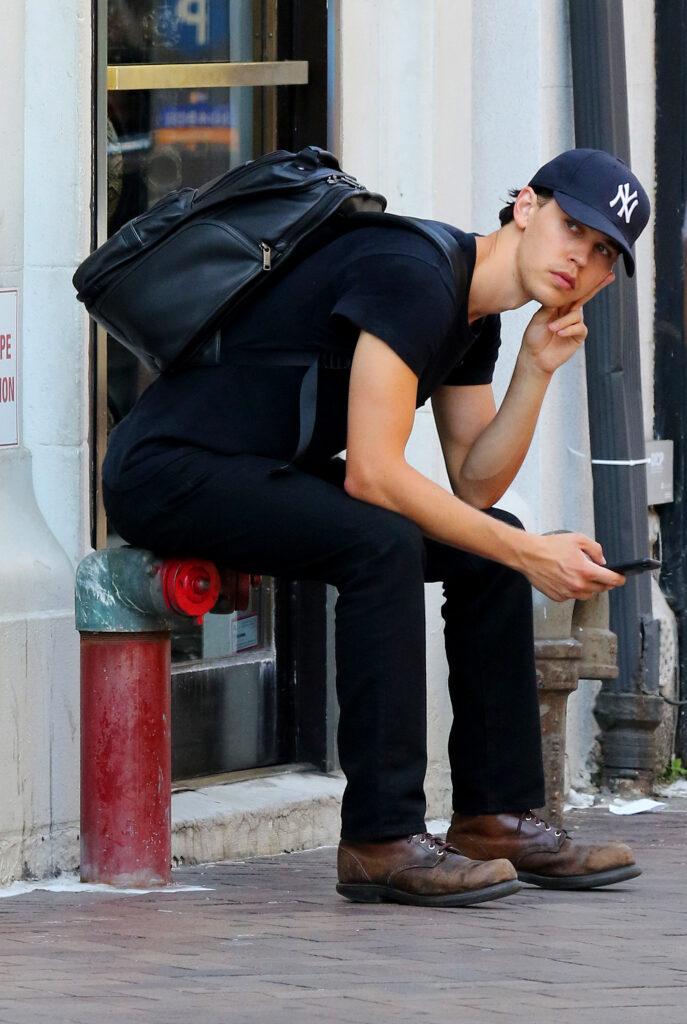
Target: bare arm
x,y
381,412
484,449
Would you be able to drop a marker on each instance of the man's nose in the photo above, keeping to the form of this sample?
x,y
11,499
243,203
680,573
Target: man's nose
x,y
579,256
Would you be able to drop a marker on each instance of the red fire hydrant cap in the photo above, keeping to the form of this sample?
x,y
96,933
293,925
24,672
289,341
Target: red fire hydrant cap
x,y
190,586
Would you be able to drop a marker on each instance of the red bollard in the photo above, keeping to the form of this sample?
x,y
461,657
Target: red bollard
x,y
126,605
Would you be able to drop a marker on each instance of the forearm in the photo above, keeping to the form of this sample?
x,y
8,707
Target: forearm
x,y
440,514
498,453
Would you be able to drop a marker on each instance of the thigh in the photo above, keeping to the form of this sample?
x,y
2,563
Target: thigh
x,y
230,509
445,562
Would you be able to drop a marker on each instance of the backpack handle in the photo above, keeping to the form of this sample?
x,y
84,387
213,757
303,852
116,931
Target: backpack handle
x,y
316,157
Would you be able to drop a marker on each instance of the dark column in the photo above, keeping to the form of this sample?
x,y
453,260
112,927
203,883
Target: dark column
x,y
670,367
628,708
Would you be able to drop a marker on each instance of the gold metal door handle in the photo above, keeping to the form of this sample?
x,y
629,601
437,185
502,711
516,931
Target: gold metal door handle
x,y
206,76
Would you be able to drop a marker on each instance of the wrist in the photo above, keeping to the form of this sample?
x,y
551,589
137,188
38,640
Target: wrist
x,y
527,365
519,549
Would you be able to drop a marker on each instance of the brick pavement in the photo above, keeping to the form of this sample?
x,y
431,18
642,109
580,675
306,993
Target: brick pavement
x,y
272,942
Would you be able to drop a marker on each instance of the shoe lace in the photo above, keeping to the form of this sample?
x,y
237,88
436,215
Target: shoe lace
x,y
541,823
433,842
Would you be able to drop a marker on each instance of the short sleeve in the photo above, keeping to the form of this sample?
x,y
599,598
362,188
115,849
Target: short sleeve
x,y
402,299
477,365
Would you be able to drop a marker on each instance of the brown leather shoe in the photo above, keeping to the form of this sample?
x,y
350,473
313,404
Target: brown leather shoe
x,y
542,855
422,870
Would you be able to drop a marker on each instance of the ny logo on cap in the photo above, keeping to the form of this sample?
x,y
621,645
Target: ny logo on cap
x,y
623,197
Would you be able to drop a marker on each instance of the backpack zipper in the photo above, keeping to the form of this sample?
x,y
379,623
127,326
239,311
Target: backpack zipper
x,y
249,166
347,179
266,256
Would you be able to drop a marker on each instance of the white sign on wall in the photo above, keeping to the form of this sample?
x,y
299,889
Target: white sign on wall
x,y
9,345
8,376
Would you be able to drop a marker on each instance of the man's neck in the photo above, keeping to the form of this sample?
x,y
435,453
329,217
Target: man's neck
x,y
496,285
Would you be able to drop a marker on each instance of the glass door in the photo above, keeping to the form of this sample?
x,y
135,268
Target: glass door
x,y
187,89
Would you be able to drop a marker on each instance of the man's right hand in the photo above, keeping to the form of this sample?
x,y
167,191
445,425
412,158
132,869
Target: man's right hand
x,y
566,565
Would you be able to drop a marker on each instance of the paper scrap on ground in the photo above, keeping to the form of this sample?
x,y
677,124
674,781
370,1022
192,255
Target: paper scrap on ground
x,y
634,806
576,801
71,883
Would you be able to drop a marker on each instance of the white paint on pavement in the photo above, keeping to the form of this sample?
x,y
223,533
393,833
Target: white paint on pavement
x,y
71,883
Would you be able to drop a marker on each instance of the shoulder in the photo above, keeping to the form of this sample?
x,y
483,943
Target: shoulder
x,y
413,255
382,242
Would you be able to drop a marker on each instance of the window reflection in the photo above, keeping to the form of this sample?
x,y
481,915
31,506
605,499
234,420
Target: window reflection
x,y
179,31
161,139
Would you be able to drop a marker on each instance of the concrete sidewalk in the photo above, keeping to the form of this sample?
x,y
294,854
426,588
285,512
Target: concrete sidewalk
x,y
269,940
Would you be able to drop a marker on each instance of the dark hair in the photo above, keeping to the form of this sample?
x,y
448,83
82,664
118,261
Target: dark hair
x,y
506,214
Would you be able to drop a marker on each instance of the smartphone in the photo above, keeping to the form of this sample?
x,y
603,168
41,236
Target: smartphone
x,y
632,568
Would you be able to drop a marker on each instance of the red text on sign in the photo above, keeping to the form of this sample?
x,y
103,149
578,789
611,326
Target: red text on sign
x,y
7,389
5,346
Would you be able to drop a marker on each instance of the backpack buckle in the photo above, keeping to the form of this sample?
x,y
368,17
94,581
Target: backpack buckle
x,y
335,361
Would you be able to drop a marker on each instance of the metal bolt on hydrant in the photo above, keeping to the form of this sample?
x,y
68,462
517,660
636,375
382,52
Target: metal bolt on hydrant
x,y
127,603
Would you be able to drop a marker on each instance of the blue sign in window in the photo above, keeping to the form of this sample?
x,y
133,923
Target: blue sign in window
x,y
195,28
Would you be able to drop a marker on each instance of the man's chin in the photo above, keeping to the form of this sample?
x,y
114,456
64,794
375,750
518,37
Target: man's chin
x,y
549,294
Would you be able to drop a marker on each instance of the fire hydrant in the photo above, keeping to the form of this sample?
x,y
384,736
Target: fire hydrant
x,y
128,601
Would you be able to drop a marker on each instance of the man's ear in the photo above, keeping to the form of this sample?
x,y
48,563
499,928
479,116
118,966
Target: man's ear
x,y
525,203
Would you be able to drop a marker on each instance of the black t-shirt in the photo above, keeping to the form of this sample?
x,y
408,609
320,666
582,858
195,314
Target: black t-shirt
x,y
390,281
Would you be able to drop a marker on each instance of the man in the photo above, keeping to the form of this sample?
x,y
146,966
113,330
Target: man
x,y
197,465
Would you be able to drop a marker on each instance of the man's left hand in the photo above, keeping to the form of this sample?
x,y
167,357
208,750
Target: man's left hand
x,y
555,333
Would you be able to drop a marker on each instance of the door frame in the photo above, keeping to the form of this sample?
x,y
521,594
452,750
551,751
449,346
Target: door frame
x,y
291,49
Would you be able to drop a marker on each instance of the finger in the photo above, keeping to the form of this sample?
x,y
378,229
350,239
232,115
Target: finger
x,y
592,587
608,279
591,548
607,578
604,283
579,333
602,588
576,316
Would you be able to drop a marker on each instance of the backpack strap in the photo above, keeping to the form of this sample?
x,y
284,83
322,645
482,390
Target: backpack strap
x,y
307,400
440,238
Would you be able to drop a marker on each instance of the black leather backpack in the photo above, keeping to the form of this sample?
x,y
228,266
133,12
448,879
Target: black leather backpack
x,y
163,283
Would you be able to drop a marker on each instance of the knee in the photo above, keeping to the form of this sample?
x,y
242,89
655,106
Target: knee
x,y
404,536
505,517
392,539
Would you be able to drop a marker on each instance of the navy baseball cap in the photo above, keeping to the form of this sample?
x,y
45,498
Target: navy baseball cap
x,y
601,191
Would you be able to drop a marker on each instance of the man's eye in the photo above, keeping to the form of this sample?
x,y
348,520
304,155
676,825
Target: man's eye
x,y
573,225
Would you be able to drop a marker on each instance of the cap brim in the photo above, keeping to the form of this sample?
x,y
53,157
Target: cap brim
x,y
593,219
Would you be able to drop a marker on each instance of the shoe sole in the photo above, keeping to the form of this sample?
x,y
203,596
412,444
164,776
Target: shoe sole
x,y
581,881
367,893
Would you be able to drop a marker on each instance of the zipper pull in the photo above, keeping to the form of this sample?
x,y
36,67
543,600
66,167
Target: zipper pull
x,y
266,256
344,179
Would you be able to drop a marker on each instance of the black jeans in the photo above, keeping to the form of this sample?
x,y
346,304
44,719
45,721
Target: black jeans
x,y
303,525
